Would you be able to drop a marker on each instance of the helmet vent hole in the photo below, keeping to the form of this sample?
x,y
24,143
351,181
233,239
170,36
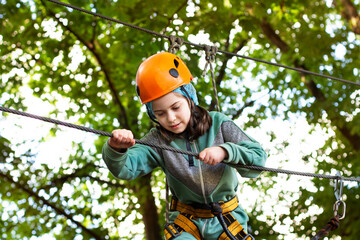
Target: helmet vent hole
x,y
173,72
176,63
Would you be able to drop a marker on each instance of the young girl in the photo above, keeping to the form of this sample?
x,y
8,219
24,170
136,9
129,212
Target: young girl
x,y
204,203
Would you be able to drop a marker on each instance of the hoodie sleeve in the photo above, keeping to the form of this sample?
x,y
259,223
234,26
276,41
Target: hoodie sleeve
x,y
242,150
137,161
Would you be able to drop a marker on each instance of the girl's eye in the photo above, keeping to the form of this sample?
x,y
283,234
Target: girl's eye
x,y
176,108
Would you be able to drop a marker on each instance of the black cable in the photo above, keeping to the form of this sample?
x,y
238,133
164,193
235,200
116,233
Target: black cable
x,y
202,46
168,148
108,18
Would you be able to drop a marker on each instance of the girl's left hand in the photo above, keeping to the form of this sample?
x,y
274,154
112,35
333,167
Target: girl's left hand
x,y
213,155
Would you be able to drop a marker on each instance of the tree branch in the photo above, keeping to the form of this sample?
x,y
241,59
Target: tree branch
x,y
350,13
116,184
222,72
66,177
79,172
272,36
91,46
171,18
49,204
227,58
353,139
240,111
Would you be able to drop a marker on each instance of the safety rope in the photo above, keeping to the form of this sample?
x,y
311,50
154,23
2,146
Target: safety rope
x,y
334,222
210,54
332,225
168,148
201,46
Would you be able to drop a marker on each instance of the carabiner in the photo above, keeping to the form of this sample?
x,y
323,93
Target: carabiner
x,y
338,186
337,204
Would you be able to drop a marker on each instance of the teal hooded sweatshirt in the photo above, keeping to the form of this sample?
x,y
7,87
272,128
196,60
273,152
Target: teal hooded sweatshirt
x,y
198,182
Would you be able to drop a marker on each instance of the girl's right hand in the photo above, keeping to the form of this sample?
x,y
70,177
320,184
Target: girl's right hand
x,y
121,139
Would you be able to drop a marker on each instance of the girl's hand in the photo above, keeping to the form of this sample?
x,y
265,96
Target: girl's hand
x,y
213,155
122,139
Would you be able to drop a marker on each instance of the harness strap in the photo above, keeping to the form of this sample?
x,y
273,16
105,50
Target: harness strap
x,y
235,228
221,210
203,210
184,221
181,224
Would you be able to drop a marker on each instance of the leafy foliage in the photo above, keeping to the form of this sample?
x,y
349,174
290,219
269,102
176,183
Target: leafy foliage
x,y
88,63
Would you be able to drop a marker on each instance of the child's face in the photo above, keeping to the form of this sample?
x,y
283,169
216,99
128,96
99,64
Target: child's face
x,y
172,111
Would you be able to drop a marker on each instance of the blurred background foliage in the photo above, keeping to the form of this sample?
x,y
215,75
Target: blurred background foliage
x,y
84,67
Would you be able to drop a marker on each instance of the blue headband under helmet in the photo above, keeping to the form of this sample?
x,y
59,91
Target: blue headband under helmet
x,y
186,90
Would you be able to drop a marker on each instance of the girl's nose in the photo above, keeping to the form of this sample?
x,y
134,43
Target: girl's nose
x,y
171,117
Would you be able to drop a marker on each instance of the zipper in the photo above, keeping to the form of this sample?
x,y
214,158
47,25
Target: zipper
x,y
191,158
202,184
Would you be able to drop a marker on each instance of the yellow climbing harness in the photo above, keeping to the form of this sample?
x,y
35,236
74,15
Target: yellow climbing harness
x,y
184,223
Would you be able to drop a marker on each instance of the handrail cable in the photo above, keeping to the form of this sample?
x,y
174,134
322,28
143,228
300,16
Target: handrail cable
x,y
168,148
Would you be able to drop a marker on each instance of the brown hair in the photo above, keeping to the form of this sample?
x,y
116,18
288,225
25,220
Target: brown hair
x,y
200,122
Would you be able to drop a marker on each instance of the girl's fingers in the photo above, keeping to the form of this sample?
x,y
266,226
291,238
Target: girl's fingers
x,y
122,138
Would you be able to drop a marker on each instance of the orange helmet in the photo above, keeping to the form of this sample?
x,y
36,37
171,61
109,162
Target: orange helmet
x,y
160,74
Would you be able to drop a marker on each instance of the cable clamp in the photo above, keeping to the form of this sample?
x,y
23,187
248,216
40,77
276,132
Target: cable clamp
x,y
175,43
210,54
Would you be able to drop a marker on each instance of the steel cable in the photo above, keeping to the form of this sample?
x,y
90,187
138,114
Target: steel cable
x,y
202,46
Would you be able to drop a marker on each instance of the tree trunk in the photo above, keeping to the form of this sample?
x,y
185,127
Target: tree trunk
x,y
148,208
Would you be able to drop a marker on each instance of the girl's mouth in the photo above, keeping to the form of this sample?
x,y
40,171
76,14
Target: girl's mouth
x,y
175,126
